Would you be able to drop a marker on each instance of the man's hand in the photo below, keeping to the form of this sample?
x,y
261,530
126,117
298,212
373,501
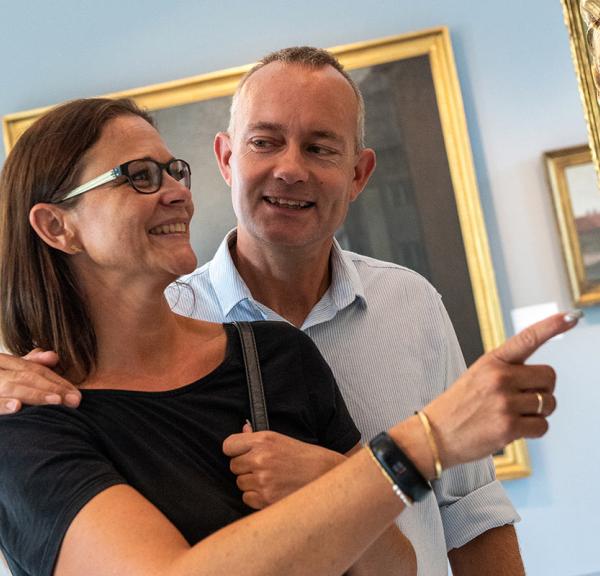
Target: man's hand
x,y
30,380
496,401
269,465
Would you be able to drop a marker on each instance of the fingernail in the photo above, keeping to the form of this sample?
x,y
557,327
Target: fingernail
x,y
573,315
53,399
72,399
12,405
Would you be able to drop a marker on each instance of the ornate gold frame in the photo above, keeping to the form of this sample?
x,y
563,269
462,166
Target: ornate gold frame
x,y
583,69
435,44
557,161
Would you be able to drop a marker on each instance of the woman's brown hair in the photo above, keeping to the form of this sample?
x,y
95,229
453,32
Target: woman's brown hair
x,y
41,304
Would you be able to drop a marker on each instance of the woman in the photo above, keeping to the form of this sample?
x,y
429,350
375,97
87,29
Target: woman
x,y
96,205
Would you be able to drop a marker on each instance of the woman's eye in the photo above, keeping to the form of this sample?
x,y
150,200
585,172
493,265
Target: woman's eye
x,y
141,176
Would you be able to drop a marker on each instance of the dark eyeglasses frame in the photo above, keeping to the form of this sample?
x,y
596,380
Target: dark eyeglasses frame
x,y
123,170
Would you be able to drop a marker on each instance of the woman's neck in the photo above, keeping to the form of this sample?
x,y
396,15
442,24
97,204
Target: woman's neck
x,y
143,345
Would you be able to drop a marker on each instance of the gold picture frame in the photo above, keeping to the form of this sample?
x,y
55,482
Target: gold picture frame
x,y
431,53
576,197
582,60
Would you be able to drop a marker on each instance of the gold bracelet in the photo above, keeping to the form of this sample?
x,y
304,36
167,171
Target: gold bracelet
x,y
437,464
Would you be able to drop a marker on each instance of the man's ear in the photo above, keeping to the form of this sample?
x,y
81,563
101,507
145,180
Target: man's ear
x,y
222,148
51,224
362,171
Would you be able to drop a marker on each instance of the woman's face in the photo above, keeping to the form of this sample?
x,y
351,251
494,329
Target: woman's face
x,y
124,235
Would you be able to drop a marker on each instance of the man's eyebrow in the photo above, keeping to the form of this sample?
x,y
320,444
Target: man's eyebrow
x,y
271,126
276,127
327,135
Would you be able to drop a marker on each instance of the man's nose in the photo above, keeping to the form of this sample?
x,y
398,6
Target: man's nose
x,y
291,166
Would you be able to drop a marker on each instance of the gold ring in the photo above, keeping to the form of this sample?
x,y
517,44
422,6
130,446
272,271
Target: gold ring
x,y
540,400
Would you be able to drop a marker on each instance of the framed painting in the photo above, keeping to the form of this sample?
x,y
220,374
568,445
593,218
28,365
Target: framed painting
x,y
582,19
576,197
421,208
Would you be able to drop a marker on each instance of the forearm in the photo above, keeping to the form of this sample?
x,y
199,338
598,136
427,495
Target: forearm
x,y
391,554
495,552
322,529
312,538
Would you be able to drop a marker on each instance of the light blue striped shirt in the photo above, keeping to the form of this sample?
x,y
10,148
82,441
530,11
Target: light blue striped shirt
x,y
388,339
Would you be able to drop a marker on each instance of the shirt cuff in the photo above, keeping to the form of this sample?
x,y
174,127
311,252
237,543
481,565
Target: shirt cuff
x,y
479,511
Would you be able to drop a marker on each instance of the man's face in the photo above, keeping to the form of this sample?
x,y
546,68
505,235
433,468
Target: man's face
x,y
292,162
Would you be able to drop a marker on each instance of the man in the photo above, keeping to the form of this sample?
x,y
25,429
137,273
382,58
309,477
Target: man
x,y
294,158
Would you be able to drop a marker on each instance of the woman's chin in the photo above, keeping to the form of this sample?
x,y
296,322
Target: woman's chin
x,y
186,264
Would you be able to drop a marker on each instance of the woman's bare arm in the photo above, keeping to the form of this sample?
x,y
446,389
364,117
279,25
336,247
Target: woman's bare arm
x,y
323,528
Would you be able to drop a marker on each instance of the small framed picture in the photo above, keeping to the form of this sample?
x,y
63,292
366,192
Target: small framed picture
x,y
576,194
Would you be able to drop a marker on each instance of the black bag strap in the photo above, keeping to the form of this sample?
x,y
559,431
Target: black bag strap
x,y
258,405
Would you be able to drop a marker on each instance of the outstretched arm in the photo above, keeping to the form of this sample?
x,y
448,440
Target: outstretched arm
x,y
316,531
270,466
324,527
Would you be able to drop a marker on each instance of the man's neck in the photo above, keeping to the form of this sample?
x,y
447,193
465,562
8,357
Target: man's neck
x,y
290,281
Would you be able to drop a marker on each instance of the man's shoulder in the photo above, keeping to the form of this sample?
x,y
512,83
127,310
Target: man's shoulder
x,y
194,295
200,276
388,274
197,282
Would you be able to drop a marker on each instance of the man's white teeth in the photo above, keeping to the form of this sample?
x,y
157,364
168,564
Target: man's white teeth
x,y
169,228
288,203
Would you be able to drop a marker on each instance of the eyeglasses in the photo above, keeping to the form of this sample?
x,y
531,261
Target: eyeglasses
x,y
144,175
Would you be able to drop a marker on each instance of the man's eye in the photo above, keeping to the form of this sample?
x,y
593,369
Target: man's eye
x,y
319,150
261,143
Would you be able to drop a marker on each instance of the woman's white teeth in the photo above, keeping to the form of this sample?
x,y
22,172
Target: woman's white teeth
x,y
288,203
169,228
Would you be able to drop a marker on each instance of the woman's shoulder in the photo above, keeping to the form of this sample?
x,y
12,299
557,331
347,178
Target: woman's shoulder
x,y
40,421
279,334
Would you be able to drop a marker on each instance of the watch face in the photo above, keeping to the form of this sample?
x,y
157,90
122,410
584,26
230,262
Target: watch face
x,y
401,471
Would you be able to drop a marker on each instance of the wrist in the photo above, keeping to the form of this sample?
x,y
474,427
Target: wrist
x,y
442,424
410,438
405,478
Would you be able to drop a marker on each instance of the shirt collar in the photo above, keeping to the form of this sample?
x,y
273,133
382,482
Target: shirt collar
x,y
346,285
226,280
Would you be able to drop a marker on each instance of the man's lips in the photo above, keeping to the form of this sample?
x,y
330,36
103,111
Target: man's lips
x,y
288,202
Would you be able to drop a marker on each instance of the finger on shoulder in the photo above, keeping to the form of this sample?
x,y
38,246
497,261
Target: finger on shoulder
x,y
32,388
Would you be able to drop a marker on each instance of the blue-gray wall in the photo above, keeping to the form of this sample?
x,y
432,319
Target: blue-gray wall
x,y
521,99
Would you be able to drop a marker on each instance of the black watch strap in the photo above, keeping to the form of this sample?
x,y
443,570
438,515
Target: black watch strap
x,y
398,466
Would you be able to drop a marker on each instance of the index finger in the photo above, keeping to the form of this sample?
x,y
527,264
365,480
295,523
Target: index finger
x,y
9,362
522,345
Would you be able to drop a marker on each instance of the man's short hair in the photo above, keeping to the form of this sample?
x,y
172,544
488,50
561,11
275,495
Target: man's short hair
x,y
311,58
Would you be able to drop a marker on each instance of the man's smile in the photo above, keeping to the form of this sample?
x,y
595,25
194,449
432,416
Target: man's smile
x,y
288,203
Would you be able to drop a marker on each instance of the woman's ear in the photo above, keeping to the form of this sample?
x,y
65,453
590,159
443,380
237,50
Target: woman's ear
x,y
52,224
